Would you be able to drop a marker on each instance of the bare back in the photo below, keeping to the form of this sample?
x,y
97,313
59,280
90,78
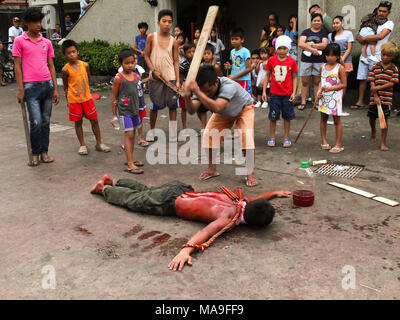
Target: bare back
x,y
205,206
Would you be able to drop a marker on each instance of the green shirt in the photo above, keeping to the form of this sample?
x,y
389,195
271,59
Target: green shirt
x,y
327,25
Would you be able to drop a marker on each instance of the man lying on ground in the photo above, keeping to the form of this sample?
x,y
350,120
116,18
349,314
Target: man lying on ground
x,y
221,210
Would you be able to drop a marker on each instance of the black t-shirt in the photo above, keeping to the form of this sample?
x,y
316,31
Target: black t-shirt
x,y
316,37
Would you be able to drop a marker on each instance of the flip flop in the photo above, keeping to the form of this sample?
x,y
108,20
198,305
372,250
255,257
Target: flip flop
x,y
336,150
326,147
33,163
143,144
271,143
208,175
357,106
287,144
47,159
137,163
134,171
301,107
251,182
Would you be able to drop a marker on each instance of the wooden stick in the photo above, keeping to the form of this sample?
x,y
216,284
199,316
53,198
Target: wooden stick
x,y
201,45
27,132
171,86
308,118
382,121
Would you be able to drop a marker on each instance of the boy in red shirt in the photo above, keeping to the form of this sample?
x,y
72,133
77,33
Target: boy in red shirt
x,y
282,72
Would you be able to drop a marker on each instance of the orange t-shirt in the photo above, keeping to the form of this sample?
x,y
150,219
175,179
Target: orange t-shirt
x,y
78,84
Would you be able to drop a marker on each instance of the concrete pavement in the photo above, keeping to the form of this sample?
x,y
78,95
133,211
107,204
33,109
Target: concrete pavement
x,y
98,251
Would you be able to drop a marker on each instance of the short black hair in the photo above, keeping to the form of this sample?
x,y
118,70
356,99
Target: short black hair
x,y
259,213
67,44
33,14
281,27
181,35
210,47
126,53
386,4
164,13
188,46
313,6
237,32
255,51
264,50
206,74
177,26
333,48
314,15
143,25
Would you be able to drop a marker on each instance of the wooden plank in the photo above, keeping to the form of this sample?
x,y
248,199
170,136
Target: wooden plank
x,y
201,45
382,120
386,201
353,190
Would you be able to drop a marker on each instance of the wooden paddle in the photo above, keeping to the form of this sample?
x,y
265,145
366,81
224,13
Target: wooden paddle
x,y
27,132
308,118
201,45
382,120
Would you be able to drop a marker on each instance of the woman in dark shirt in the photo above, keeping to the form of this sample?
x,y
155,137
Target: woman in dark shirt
x,y
313,41
267,33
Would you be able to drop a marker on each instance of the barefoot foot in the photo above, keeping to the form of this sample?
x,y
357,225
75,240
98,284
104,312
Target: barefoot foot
x,y
384,148
107,180
97,188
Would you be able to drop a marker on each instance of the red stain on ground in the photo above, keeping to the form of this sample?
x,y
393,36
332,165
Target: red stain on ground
x,y
147,235
157,241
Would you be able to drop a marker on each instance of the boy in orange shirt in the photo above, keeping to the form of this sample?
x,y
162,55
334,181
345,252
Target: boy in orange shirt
x,y
76,86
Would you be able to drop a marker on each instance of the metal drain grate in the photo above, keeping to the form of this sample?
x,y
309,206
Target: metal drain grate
x,y
340,169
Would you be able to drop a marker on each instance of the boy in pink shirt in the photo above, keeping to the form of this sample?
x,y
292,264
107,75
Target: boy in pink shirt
x,y
36,78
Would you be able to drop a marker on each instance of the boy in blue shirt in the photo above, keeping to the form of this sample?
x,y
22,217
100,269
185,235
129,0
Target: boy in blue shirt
x,y
140,44
241,60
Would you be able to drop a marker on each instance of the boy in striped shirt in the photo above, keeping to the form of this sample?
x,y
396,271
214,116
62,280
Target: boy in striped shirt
x,y
383,76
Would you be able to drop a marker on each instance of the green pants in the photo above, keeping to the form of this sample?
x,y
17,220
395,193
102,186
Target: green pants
x,y
158,201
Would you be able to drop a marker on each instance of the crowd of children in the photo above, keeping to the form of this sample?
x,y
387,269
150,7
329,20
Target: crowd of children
x,y
268,77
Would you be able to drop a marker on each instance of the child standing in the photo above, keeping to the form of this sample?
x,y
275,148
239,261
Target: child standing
x,y
255,59
161,56
36,78
76,87
383,76
140,44
217,43
280,31
261,73
282,72
333,81
209,58
125,99
197,34
241,60
180,39
188,50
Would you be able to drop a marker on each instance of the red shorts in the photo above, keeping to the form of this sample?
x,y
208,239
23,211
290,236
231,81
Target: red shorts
x,y
78,110
182,103
142,113
245,84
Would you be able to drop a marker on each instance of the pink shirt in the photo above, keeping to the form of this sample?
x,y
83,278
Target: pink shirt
x,y
34,57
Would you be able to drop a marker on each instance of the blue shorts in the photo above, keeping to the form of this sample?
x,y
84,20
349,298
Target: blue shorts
x,y
363,69
278,104
130,123
156,108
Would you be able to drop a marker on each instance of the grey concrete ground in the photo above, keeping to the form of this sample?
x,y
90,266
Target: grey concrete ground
x,y
45,211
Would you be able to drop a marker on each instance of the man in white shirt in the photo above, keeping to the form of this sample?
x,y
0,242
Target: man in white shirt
x,y
381,37
14,32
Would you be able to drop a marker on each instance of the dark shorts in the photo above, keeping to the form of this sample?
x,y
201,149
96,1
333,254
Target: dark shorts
x,y
162,96
278,104
259,91
202,109
373,111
